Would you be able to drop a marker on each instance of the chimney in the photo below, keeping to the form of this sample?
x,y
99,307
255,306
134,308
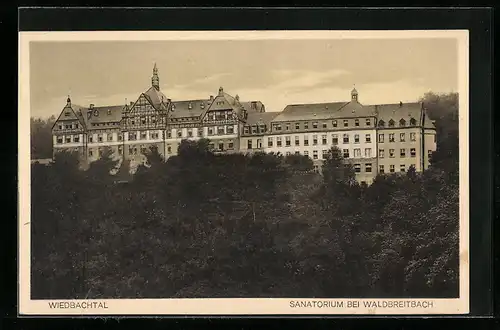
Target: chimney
x,y
169,100
202,105
400,104
91,106
221,91
254,105
190,106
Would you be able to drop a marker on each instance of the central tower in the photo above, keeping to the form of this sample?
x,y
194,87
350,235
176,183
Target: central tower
x,y
155,80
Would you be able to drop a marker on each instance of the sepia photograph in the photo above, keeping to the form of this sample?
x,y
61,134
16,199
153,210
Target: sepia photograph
x,y
244,172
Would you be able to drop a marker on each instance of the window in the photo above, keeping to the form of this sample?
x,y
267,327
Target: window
x,y
200,131
278,127
381,138
297,153
315,124
132,122
357,153
356,122
69,126
120,150
315,140
59,139
76,138
368,168
324,124
132,136
278,141
402,168
68,139
143,121
110,137
144,135
413,122
334,123
346,123
357,168
287,126
99,137
190,132
211,130
306,153
324,153
391,153
413,152
356,138
413,137
154,135
429,154
402,137
221,145
297,126
346,153
120,136
323,139
368,152
90,153
246,130
368,122
306,141
287,141
254,130
259,143
368,138
335,139
90,138
297,141
346,138
315,154
288,153
262,128
381,153
169,149
402,153
306,125
381,123
402,123
391,123
230,129
381,169
230,145
60,126
413,165
153,120
391,168
270,142
220,130
391,137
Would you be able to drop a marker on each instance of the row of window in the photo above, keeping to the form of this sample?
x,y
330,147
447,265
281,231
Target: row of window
x,y
68,126
68,139
324,140
255,129
402,153
392,168
402,137
402,123
315,124
216,130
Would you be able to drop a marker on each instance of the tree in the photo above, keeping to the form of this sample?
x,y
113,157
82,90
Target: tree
x,y
300,163
41,137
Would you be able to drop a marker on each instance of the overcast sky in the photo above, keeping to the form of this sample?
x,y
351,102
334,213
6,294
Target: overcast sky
x,y
276,72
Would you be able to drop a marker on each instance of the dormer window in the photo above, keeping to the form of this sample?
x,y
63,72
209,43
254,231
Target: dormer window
x,y
391,123
66,114
246,130
356,122
334,123
96,113
381,123
413,122
109,112
402,123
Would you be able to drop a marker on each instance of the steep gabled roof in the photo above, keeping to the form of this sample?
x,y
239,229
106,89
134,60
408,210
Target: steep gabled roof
x,y
398,111
102,115
309,111
260,118
70,112
156,98
189,108
253,106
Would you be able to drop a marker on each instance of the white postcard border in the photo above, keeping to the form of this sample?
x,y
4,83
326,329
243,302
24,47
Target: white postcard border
x,y
240,306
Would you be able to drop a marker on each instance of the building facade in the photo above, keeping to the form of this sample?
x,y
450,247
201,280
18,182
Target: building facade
x,y
375,139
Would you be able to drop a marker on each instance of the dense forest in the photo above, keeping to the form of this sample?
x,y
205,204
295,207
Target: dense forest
x,y
207,225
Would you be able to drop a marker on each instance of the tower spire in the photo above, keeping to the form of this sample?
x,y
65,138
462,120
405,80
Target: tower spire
x,y
155,80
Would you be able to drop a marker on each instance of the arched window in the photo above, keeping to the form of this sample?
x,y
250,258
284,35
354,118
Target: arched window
x,y
391,123
402,122
381,123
